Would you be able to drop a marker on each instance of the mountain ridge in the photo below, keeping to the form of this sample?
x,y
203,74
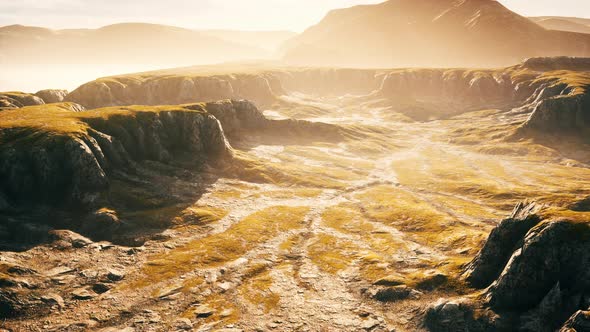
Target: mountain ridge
x,y
167,46
401,33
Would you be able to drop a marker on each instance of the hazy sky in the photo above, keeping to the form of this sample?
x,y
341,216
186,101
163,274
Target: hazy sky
x,y
293,15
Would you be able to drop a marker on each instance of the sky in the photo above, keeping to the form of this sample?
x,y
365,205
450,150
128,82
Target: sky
x,y
294,15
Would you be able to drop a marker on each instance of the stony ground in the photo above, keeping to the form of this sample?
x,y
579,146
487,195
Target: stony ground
x,y
360,234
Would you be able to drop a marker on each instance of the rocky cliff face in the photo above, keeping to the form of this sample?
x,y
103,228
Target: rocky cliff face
x,y
534,267
552,90
174,90
263,87
566,113
72,165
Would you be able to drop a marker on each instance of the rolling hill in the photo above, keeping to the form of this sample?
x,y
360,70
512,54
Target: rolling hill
x,y
572,24
131,43
442,33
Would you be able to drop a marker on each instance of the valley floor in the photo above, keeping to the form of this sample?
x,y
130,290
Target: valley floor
x,y
397,202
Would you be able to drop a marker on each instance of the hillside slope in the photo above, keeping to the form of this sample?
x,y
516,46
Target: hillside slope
x,y
572,24
447,33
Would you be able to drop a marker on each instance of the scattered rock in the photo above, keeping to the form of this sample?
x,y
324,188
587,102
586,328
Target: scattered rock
x,y
114,329
100,288
225,286
90,274
114,275
76,240
101,224
183,324
203,311
133,251
389,281
448,316
392,294
432,282
59,270
169,291
83,294
53,299
370,324
20,270
226,313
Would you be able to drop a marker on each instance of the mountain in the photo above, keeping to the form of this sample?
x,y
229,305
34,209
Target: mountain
x,y
267,40
572,24
441,33
128,43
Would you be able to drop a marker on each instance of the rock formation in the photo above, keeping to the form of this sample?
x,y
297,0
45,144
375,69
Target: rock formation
x,y
57,167
534,269
9,100
551,90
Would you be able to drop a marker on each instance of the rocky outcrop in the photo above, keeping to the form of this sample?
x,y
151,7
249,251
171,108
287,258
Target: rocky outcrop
x,y
463,316
51,96
61,168
174,90
263,87
567,113
554,254
241,117
54,167
9,100
503,240
557,63
475,88
535,268
556,102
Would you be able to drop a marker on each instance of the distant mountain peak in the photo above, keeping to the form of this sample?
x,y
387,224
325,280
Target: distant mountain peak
x,y
441,33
